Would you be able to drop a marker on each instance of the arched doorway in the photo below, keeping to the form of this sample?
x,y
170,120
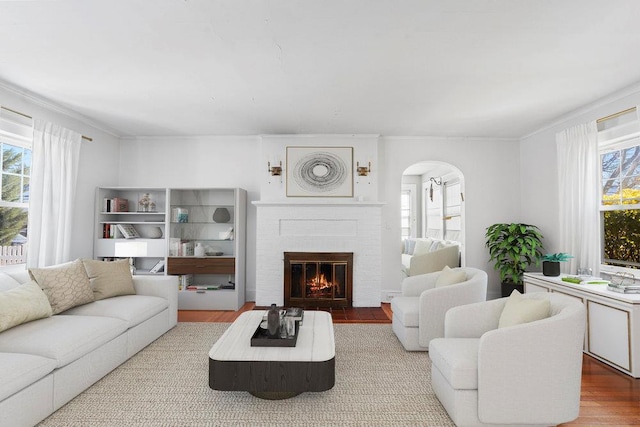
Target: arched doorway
x,y
432,203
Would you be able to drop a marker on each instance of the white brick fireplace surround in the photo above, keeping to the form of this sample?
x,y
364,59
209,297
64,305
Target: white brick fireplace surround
x,y
318,226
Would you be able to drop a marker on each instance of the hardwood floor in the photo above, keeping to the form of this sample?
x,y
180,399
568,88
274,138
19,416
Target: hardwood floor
x,y
608,397
339,315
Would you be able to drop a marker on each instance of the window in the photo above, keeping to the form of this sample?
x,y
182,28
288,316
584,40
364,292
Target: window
x,y
15,152
407,211
620,192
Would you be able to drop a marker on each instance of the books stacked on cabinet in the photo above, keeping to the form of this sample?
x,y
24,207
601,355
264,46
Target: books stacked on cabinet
x,y
115,231
116,204
184,281
179,247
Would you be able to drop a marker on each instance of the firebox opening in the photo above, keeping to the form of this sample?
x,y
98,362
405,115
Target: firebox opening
x,y
318,279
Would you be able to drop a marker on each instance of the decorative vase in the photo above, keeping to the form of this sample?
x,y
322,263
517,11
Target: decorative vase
x,y
221,215
155,233
273,322
550,268
199,249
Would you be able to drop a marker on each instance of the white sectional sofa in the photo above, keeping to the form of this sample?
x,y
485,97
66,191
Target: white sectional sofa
x,y
426,255
45,363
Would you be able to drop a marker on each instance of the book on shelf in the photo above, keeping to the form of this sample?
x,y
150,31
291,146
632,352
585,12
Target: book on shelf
x,y
158,267
116,204
108,231
128,231
185,281
187,248
203,287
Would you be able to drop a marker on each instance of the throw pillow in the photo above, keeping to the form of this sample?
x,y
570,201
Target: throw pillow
x,y
449,276
22,304
518,310
411,246
109,278
65,285
422,247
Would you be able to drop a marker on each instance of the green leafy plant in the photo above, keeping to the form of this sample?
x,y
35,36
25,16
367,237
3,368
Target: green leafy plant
x,y
513,247
559,257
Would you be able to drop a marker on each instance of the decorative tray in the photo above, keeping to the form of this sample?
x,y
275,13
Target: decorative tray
x,y
261,338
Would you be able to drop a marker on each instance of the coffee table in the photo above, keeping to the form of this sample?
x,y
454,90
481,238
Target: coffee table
x,y
274,372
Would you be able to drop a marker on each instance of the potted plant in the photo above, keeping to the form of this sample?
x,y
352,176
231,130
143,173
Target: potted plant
x,y
513,247
551,263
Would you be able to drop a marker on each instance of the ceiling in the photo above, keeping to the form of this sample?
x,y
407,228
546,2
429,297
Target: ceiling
x,y
481,68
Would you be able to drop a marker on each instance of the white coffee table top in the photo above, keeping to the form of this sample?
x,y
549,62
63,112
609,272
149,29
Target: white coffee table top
x,y
315,340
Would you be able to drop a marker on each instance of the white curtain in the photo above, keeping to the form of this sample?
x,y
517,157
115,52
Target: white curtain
x,y
578,168
54,171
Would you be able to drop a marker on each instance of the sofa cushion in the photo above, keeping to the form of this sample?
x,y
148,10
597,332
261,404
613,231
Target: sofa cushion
x,y
133,309
457,360
7,282
62,338
109,278
407,310
519,310
449,276
22,304
19,370
66,285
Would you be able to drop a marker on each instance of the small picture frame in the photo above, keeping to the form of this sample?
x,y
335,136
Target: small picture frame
x,y
128,231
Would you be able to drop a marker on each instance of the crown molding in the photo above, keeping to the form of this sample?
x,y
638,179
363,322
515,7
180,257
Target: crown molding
x,y
601,102
53,107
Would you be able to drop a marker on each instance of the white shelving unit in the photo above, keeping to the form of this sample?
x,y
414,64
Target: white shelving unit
x,y
160,230
109,242
223,264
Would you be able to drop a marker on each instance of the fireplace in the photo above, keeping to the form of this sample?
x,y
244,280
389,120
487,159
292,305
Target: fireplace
x,y
318,279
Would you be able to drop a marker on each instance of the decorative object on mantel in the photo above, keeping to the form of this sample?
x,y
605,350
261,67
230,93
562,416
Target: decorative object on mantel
x,y
319,171
551,263
363,170
221,215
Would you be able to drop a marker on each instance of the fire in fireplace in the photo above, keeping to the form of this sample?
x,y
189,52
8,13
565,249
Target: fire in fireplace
x,y
318,279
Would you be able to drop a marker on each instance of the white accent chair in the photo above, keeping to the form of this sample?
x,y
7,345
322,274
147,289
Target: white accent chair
x,y
418,315
527,374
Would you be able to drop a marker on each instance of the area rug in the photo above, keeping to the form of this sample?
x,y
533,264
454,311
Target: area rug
x,y
166,384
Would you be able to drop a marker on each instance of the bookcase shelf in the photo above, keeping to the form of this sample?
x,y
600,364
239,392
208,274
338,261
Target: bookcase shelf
x,y
197,206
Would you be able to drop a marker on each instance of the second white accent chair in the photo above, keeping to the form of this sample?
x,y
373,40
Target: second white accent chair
x,y
486,373
418,315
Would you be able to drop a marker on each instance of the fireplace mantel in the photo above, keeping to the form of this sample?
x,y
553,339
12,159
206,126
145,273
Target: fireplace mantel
x,y
322,225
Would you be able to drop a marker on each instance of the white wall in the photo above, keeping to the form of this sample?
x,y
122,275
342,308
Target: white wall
x,y
98,161
207,161
539,164
492,184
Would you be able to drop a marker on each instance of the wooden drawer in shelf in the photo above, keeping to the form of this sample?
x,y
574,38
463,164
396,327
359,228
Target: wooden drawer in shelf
x,y
193,265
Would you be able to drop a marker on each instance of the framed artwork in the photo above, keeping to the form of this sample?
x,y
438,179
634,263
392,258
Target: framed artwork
x,y
319,171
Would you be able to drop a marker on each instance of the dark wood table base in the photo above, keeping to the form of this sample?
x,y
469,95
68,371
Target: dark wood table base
x,y
272,379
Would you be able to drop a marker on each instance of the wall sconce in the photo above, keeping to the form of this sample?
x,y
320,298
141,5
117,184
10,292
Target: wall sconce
x,y
274,170
437,181
363,170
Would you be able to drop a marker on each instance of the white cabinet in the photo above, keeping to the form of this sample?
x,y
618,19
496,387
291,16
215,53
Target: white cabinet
x,y
613,320
213,220
169,222
119,207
